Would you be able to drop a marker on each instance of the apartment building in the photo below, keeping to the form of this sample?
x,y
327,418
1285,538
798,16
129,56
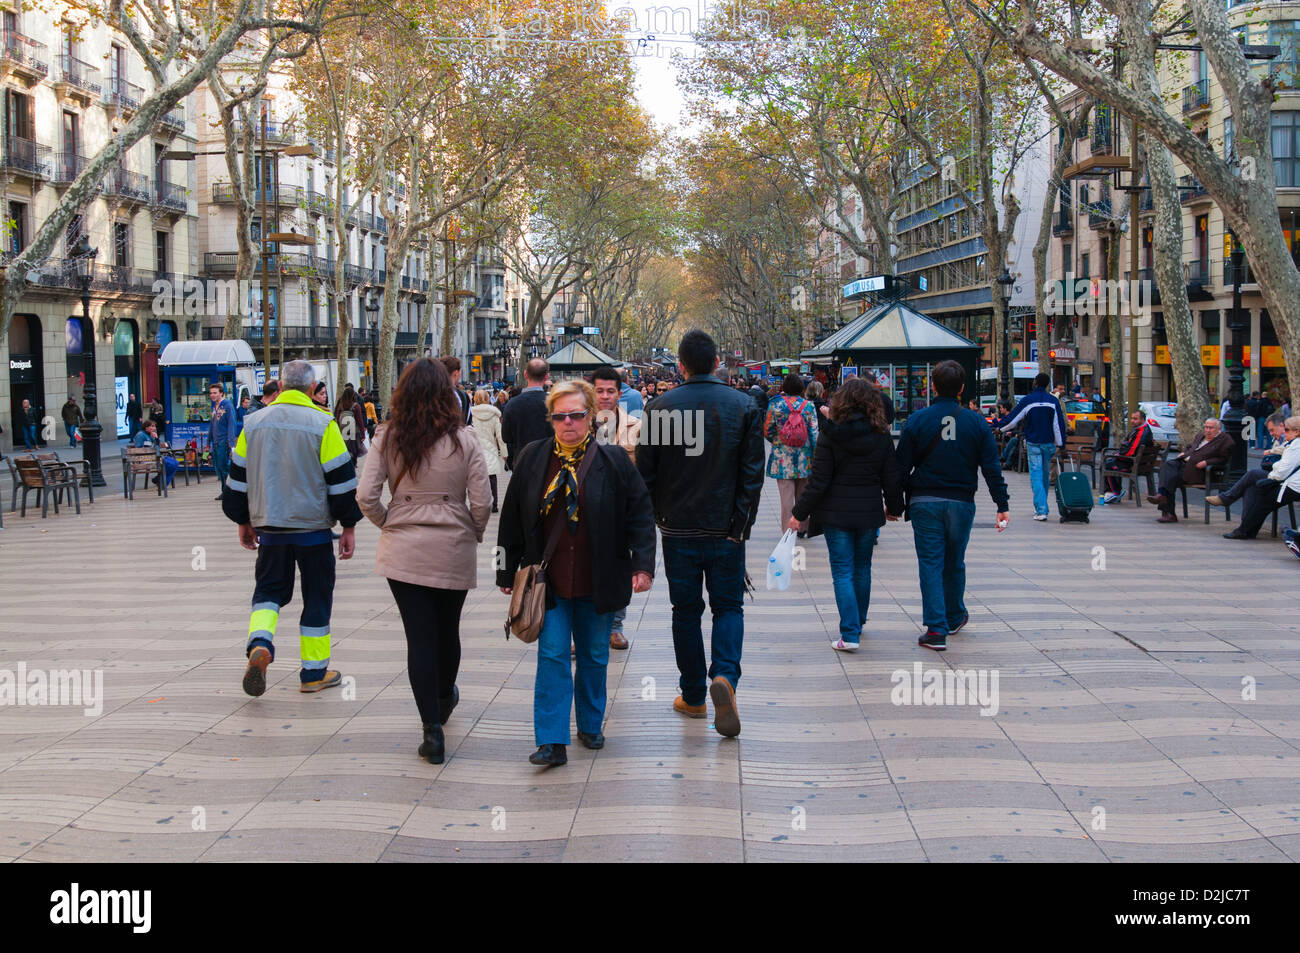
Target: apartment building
x,y
941,251
1088,213
66,90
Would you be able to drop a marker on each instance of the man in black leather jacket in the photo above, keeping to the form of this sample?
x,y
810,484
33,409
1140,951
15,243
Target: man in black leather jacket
x,y
701,455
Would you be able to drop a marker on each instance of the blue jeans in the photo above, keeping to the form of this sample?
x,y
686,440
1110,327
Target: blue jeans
x,y
1040,473
616,624
221,461
940,532
29,437
72,435
692,564
1009,452
850,553
555,691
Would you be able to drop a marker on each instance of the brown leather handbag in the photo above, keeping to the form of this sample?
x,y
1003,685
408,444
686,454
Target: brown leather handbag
x,y
528,594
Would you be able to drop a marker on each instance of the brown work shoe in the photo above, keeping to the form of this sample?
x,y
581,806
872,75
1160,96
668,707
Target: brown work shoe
x,y
690,711
617,641
1156,498
726,720
255,675
328,680
1167,518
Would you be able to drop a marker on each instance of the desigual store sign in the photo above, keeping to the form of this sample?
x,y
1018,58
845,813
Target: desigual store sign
x,y
22,369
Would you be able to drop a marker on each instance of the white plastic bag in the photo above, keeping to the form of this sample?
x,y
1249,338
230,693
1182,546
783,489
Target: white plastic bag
x,y
779,564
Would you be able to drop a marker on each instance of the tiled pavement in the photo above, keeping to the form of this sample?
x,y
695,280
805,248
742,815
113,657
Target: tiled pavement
x,y
1122,732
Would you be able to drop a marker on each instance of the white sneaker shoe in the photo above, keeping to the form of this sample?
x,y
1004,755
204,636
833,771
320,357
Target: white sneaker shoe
x,y
1041,517
841,646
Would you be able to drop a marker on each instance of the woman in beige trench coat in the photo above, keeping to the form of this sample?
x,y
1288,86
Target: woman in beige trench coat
x,y
428,544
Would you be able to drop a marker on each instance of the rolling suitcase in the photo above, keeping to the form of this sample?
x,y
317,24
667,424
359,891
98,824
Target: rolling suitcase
x,y
1073,496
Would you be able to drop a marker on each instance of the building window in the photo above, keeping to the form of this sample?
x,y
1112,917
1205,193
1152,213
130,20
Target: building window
x,y
1085,265
121,244
1285,152
160,253
1285,68
17,227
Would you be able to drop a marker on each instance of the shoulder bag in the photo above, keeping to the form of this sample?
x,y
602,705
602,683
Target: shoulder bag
x,y
528,594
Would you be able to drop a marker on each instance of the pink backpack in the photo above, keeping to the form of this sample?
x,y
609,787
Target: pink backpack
x,y
794,432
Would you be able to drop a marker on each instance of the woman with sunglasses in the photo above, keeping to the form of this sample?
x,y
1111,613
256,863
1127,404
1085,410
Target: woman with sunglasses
x,y
604,525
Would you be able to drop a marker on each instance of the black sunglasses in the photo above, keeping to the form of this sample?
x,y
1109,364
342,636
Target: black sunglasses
x,y
576,415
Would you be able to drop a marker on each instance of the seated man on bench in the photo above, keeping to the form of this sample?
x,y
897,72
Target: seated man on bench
x,y
1244,489
1189,467
1130,449
1280,487
148,437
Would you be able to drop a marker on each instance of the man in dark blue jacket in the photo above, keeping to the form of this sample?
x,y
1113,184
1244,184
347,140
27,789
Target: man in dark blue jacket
x,y
1042,423
940,452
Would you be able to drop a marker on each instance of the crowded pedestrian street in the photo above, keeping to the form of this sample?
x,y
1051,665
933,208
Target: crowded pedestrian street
x,y
1139,700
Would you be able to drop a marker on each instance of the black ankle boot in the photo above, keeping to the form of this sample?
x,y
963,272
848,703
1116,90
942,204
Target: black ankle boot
x,y
435,745
447,705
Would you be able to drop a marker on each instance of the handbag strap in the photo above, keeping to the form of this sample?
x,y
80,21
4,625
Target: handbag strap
x,y
553,540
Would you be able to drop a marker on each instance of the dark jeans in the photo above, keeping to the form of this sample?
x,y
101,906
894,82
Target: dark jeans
x,y
1171,478
1266,502
850,552
1244,489
72,435
431,618
693,564
492,481
274,590
29,437
221,461
940,531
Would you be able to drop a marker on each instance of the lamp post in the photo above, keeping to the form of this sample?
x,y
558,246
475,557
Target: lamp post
x,y
372,322
1005,283
1234,418
419,299
83,257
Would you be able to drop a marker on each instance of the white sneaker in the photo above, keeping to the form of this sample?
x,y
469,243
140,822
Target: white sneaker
x,y
1041,517
841,646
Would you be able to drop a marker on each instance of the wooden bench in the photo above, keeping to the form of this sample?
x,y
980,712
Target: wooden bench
x,y
142,461
1143,466
46,478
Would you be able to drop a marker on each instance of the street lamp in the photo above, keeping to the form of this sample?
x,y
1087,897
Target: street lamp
x,y
83,258
419,299
1234,418
372,319
1005,283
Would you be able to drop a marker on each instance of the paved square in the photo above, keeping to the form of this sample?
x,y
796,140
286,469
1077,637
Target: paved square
x,y
1148,708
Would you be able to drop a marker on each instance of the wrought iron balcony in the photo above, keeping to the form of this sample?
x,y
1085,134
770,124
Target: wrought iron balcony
x,y
174,120
223,193
122,94
1063,223
127,185
27,157
1196,97
318,203
1191,190
80,75
1099,213
1230,274
67,166
25,53
1198,272
277,133
170,196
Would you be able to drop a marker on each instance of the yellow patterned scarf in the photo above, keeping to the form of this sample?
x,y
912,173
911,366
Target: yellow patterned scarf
x,y
565,482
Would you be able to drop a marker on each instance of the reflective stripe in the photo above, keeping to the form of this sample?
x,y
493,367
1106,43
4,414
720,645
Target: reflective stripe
x,y
334,489
271,606
315,631
314,648
337,462
239,486
264,621
315,666
237,457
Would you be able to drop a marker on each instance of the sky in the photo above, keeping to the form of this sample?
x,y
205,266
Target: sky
x,y
657,30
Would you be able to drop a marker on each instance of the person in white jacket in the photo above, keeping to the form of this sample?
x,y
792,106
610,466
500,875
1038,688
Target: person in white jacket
x,y
486,420
1285,476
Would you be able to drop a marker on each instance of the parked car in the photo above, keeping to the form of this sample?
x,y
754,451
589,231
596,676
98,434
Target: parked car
x,y
1160,414
1091,410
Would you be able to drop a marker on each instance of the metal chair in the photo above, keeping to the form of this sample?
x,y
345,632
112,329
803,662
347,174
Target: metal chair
x,y
45,478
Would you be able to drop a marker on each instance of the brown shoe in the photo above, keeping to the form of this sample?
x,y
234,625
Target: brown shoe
x,y
726,720
1214,500
1167,518
617,641
690,711
1156,498
328,680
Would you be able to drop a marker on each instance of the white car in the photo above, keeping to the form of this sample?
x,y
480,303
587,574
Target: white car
x,y
1160,414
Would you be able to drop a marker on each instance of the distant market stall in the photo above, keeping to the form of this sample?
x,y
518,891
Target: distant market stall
x,y
901,346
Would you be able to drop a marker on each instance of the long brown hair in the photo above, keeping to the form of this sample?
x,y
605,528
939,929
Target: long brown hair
x,y
856,396
423,410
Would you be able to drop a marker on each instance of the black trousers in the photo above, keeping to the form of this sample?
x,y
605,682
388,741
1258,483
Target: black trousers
x,y
1266,502
1171,478
431,618
492,479
1113,484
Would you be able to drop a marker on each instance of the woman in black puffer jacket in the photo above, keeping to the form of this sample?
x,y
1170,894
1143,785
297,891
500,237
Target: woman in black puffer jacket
x,y
853,489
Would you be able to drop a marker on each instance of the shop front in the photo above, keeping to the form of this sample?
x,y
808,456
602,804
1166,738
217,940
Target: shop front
x,y
26,372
